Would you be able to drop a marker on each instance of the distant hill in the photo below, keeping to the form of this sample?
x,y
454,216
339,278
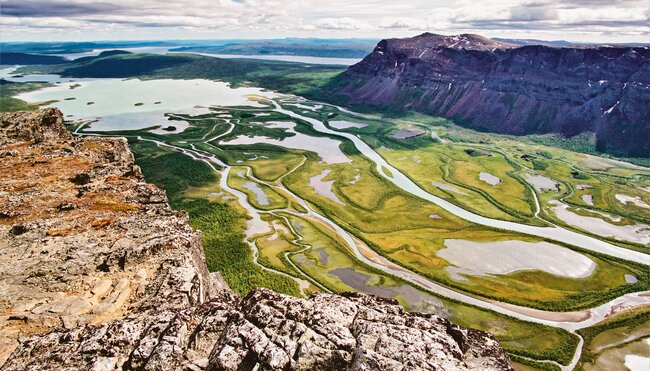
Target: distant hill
x,y
27,59
299,78
563,43
74,46
344,45
521,42
311,48
116,63
503,87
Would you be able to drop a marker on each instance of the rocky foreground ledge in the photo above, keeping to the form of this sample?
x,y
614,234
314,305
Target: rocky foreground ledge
x,y
98,272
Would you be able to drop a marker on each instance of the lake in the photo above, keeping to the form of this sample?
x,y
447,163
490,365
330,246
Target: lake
x,y
133,104
165,50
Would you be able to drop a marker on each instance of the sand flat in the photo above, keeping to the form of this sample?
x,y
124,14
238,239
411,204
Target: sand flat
x,y
625,199
489,178
448,187
639,233
503,257
541,183
341,124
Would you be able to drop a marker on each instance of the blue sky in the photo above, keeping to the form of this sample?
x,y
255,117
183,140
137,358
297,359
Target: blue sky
x,y
578,20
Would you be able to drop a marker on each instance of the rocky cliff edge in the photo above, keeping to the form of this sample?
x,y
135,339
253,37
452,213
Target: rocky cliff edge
x,y
98,272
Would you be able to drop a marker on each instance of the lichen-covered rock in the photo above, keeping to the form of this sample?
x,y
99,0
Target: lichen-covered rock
x,y
83,238
37,126
356,331
97,272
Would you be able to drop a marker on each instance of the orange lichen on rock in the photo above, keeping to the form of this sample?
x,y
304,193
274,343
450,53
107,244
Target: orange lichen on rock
x,y
102,222
75,216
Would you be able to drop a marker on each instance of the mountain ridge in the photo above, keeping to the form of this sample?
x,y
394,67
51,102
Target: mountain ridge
x,y
506,88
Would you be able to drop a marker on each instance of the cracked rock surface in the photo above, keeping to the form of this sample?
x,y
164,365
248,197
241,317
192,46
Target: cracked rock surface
x,y
98,272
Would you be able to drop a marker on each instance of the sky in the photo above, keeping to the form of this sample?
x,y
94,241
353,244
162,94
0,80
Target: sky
x,y
83,20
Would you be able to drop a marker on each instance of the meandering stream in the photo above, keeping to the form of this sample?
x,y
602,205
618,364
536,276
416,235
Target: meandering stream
x,y
570,321
555,233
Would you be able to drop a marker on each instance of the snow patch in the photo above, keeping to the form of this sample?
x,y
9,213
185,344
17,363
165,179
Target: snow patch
x,y
611,108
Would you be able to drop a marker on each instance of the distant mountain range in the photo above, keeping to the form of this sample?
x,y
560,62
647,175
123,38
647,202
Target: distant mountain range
x,y
348,48
74,47
498,85
504,87
25,58
563,43
324,48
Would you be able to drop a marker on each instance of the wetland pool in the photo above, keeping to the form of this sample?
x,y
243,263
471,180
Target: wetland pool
x,y
504,257
541,183
346,125
489,178
415,299
260,196
326,148
324,188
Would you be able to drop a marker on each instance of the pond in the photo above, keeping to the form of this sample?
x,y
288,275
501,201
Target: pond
x,y
324,188
326,148
636,200
448,187
415,299
408,133
260,196
541,183
346,124
489,178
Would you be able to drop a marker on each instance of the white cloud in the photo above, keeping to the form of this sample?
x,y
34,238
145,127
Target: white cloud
x,y
342,23
534,12
604,20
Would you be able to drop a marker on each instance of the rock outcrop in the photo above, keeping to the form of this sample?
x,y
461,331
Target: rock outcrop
x,y
97,272
495,86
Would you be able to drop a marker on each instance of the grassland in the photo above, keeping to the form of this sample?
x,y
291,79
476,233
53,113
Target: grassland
x,y
186,193
431,166
328,255
402,228
238,180
376,210
222,223
451,169
215,219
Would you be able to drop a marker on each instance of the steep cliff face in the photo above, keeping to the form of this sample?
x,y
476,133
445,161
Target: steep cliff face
x,y
83,239
496,86
97,272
